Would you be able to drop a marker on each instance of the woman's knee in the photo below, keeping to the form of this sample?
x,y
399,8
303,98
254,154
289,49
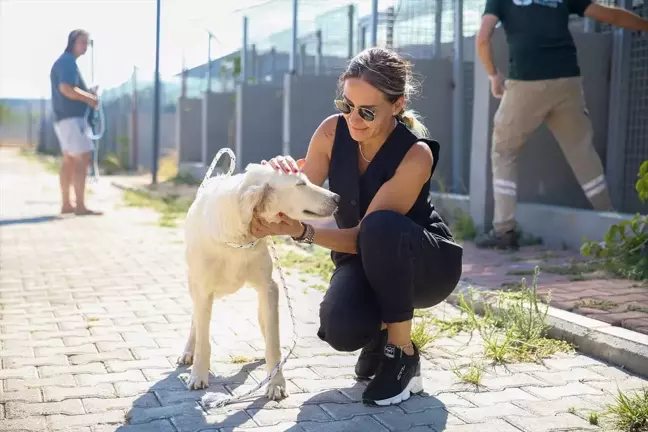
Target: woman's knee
x,y
347,331
382,230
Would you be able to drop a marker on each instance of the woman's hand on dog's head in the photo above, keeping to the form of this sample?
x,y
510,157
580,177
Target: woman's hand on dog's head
x,y
260,228
284,163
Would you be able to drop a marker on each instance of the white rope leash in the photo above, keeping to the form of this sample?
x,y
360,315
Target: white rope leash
x,y
100,116
218,400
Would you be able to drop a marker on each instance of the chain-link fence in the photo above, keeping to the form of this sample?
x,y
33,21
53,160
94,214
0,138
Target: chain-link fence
x,y
636,145
328,35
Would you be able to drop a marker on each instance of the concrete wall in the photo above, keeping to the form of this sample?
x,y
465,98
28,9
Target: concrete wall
x,y
145,136
188,130
220,128
434,104
545,177
259,109
308,100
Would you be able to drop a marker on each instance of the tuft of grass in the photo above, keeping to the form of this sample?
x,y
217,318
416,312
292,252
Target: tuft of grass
x,y
571,410
633,307
596,304
421,335
320,287
515,328
51,163
318,263
170,207
630,412
593,418
573,269
520,272
463,227
472,375
240,359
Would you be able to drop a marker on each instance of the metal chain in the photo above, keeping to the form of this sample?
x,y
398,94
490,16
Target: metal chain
x,y
217,400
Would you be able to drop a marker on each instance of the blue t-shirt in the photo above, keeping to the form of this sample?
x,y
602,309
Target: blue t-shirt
x,y
65,71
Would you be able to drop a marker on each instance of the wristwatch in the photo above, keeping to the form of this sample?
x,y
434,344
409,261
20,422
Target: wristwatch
x,y
307,236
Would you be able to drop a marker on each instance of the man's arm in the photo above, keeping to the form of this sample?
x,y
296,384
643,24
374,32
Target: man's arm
x,y
616,16
69,74
484,45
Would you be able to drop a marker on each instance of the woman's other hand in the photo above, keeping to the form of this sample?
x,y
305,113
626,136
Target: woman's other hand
x,y
284,163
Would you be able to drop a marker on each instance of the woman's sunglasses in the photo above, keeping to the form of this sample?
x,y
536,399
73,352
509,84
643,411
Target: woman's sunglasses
x,y
346,108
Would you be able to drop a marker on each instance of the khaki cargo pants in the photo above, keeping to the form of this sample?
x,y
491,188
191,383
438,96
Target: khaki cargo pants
x,y
525,106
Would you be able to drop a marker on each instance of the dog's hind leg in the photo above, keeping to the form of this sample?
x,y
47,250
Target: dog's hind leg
x,y
187,356
199,378
269,314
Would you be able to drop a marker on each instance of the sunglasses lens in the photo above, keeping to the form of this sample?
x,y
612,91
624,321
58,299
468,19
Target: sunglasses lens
x,y
366,114
342,106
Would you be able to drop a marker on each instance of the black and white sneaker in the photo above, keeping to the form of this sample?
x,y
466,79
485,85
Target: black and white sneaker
x,y
397,378
370,356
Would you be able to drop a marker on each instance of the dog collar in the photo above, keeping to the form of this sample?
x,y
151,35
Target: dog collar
x,y
243,246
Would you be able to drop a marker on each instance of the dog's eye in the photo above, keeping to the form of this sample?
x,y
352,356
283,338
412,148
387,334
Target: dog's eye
x,y
300,183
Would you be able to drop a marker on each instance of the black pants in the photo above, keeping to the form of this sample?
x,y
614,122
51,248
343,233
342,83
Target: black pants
x,y
399,267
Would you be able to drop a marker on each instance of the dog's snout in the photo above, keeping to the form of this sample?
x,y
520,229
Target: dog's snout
x,y
336,198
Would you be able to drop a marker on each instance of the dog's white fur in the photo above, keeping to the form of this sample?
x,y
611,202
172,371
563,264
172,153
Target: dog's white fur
x,y
221,214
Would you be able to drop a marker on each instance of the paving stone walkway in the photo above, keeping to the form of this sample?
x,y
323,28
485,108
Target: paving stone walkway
x,y
94,312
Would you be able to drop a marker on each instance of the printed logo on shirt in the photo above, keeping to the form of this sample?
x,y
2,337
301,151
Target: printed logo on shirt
x,y
548,3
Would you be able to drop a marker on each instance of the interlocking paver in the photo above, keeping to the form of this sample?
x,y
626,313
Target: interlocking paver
x,y
90,330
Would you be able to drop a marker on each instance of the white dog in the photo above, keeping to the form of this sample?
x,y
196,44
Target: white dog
x,y
220,260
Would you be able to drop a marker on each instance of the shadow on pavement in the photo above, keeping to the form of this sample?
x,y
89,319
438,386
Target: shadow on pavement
x,y
29,220
185,410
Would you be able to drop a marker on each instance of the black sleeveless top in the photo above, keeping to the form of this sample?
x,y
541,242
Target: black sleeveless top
x,y
357,191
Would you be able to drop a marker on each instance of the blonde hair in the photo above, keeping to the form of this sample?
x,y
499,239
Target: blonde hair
x,y
392,75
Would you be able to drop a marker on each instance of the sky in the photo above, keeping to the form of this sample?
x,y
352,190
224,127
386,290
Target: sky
x,y
33,33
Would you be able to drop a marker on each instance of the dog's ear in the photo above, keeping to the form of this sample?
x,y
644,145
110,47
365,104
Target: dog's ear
x,y
252,196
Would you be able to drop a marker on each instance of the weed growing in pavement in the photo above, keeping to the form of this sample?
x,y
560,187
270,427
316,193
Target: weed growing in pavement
x,y
629,413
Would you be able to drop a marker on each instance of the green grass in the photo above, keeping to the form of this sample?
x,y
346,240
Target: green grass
x,y
593,418
463,227
514,327
170,207
52,164
316,263
630,412
473,374
421,335
596,304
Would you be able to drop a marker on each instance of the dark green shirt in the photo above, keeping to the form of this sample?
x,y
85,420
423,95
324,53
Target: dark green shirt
x,y
537,31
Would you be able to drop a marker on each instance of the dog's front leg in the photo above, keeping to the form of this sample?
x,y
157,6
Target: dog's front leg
x,y
269,299
199,378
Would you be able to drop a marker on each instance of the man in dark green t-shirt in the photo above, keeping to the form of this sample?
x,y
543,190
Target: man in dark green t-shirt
x,y
543,86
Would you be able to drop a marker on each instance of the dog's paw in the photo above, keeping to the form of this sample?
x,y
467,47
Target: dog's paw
x,y
198,380
276,390
185,359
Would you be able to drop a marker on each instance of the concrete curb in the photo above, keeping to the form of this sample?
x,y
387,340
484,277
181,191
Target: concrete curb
x,y
615,345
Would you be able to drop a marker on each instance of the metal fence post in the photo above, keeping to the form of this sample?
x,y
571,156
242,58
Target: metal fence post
x,y
618,111
438,23
389,43
209,62
244,51
318,52
374,23
293,47
458,100
302,59
156,99
254,63
351,22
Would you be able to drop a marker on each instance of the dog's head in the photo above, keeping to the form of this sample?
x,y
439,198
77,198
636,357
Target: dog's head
x,y
271,192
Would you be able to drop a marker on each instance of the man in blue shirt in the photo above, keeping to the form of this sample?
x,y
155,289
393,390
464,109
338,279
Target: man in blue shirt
x,y
70,99
544,85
